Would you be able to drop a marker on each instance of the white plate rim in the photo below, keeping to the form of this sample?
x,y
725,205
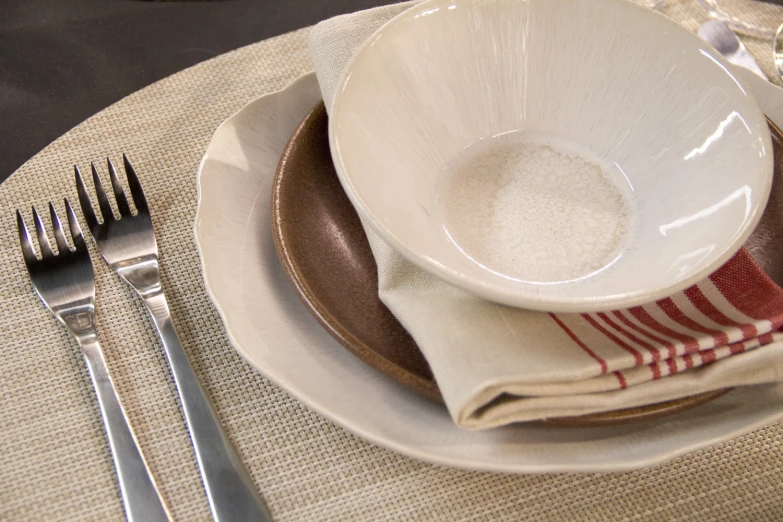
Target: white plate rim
x,y
211,275
530,299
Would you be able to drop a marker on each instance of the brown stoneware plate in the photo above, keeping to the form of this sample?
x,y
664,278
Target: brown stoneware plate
x,y
324,251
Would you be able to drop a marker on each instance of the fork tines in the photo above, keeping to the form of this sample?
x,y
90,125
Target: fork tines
x,y
119,194
43,239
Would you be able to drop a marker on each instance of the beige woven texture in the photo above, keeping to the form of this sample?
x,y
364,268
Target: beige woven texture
x,y
55,461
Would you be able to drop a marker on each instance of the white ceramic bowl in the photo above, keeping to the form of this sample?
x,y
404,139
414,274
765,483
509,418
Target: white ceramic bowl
x,y
551,154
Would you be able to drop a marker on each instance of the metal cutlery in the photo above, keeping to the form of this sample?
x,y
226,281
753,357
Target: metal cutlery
x,y
777,51
717,11
722,38
65,283
128,245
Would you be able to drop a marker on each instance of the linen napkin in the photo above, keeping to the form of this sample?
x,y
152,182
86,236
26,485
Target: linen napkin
x,y
496,365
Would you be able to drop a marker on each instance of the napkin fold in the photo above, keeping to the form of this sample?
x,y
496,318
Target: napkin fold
x,y
496,365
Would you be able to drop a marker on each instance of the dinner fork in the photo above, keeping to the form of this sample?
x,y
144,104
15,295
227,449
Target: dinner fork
x,y
128,245
65,283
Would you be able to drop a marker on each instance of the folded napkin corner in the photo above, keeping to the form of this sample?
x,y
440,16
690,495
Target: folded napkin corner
x,y
497,365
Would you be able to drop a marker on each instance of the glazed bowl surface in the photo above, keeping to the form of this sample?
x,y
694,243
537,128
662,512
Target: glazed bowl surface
x,y
551,154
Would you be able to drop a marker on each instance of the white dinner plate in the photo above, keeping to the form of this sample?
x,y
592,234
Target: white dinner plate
x,y
274,332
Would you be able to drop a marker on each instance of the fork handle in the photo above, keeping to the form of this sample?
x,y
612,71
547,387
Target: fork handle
x,y
230,490
139,494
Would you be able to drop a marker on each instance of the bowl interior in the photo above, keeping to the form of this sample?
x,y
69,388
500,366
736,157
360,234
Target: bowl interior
x,y
551,154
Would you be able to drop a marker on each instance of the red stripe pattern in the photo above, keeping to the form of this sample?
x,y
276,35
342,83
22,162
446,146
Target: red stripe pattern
x,y
619,342
704,305
738,308
572,335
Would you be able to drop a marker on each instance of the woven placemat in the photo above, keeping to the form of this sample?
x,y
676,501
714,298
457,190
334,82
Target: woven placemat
x,y
55,461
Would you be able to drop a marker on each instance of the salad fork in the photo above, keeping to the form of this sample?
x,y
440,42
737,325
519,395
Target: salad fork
x,y
66,284
128,245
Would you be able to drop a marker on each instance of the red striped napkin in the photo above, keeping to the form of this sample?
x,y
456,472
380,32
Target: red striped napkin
x,y
738,308
495,365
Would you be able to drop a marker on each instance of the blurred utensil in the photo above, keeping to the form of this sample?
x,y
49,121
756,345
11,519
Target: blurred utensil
x,y
128,245
777,51
740,17
653,4
722,38
66,284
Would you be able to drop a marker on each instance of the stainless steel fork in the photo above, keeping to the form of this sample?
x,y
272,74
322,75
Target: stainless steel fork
x,y
128,245
65,283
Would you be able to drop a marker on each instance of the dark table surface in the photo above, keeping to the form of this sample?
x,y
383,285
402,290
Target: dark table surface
x,y
61,61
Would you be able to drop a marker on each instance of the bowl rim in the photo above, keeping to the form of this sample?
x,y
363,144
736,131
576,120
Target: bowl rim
x,y
530,299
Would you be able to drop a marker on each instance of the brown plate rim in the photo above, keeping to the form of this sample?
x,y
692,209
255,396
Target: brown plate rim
x,y
416,383
343,335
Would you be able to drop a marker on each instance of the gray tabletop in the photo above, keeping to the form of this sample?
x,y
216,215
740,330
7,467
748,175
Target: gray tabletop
x,y
62,62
